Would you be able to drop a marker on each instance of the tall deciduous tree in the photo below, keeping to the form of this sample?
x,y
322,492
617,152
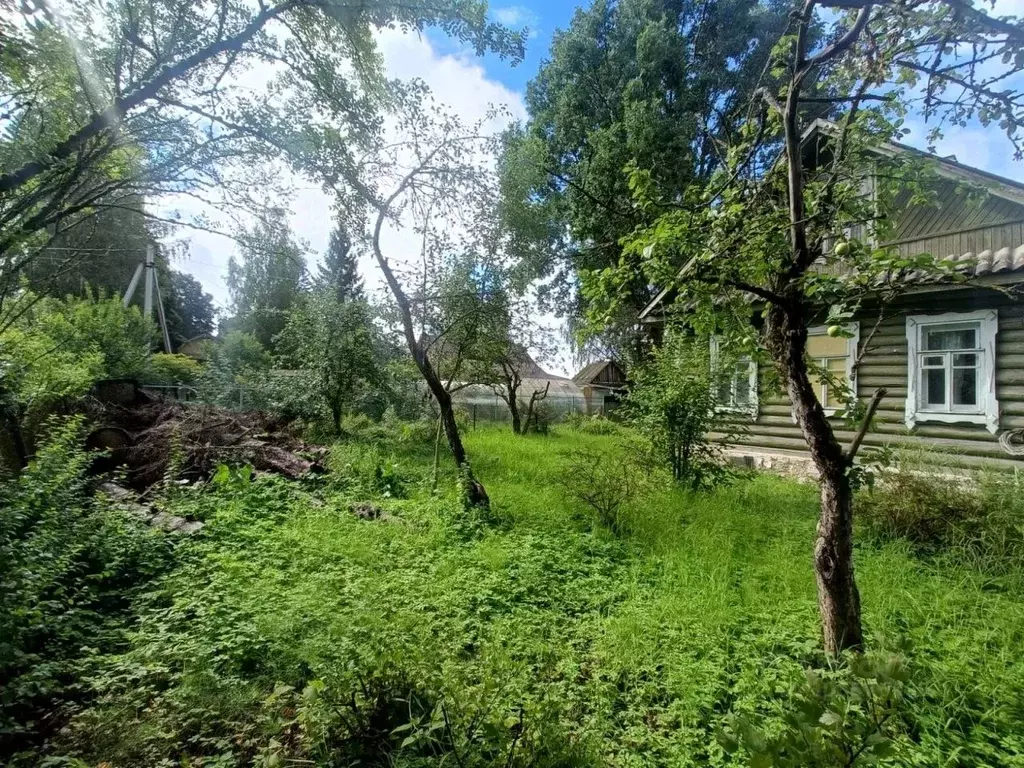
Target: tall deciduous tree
x,y
655,83
105,103
190,311
267,282
434,179
756,230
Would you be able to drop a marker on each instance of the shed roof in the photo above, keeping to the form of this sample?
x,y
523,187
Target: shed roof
x,y
592,371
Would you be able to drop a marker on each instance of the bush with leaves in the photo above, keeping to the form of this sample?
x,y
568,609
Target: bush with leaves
x,y
235,363
833,718
122,334
673,403
70,567
978,521
56,350
169,370
595,424
605,483
335,344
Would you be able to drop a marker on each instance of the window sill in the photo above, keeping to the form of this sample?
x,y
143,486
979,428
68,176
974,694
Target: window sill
x,y
736,410
952,418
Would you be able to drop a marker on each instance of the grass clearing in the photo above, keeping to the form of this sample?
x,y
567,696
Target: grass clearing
x,y
294,630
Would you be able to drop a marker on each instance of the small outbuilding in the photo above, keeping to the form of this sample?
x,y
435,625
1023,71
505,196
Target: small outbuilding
x,y
603,383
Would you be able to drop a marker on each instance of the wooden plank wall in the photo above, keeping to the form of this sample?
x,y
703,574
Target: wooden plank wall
x,y
952,210
884,364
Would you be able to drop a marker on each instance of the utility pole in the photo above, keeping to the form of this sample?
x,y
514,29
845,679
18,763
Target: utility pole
x,y
147,270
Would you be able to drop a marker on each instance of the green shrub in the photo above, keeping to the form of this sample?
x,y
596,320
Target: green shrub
x,y
541,419
595,424
673,403
169,370
234,363
605,483
833,718
389,430
978,521
69,569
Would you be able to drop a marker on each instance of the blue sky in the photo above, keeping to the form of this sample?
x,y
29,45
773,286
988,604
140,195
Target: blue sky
x,y
470,85
982,147
542,19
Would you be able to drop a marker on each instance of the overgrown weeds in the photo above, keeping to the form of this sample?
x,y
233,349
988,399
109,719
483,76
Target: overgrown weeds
x,y
976,521
292,629
69,570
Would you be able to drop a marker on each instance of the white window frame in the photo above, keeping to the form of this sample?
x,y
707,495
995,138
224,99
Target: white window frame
x,y
852,345
987,411
753,407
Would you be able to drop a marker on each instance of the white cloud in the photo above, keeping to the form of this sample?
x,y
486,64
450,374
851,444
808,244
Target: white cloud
x,y
458,81
517,16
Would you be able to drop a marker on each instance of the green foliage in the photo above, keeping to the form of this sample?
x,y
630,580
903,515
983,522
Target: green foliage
x,y
70,567
121,334
339,273
673,403
235,362
975,520
63,77
335,343
266,284
541,418
335,624
606,483
173,369
57,349
594,424
834,718
190,312
657,70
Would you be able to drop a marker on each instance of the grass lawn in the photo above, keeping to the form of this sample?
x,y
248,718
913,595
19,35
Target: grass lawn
x,y
294,632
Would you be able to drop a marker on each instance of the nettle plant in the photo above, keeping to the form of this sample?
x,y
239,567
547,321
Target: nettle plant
x,y
782,234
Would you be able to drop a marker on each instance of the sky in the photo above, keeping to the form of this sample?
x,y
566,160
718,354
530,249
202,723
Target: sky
x,y
471,84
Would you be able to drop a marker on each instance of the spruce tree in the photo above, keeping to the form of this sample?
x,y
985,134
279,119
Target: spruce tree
x,y
339,272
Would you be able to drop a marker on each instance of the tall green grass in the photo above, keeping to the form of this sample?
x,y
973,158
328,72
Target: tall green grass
x,y
294,630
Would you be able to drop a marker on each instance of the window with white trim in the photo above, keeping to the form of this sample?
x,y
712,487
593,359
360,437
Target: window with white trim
x,y
737,382
951,368
833,356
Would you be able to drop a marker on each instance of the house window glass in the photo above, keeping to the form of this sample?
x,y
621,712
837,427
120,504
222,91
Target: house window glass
x,y
832,357
950,365
734,390
736,381
952,368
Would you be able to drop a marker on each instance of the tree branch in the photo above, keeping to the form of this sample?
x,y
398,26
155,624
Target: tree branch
x,y
876,400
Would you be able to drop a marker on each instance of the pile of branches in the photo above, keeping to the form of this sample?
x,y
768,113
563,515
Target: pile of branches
x,y
147,436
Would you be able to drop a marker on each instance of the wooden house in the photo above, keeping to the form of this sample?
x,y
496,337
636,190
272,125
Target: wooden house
x,y
950,354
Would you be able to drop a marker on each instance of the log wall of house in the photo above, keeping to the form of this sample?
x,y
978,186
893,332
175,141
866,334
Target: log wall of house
x,y
885,364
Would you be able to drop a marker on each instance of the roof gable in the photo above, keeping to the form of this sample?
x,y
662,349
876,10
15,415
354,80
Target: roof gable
x,y
946,167
604,372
